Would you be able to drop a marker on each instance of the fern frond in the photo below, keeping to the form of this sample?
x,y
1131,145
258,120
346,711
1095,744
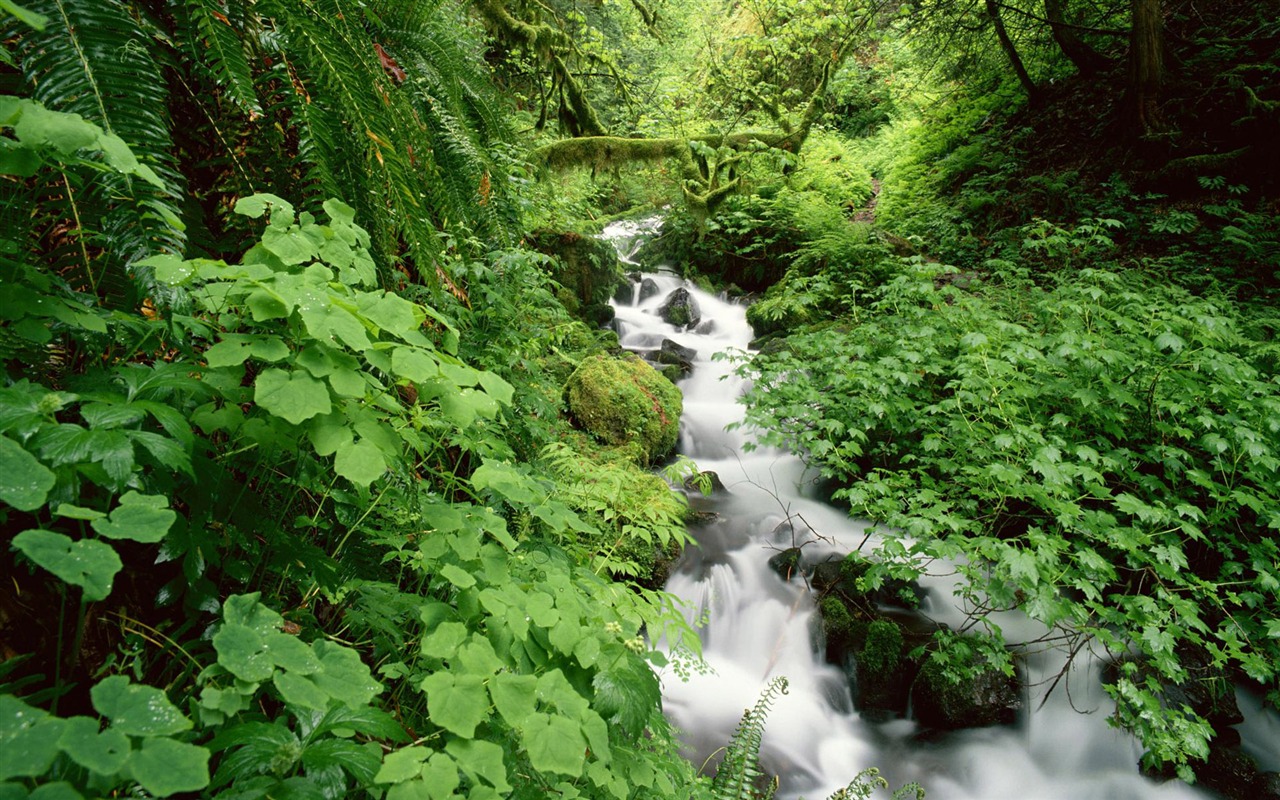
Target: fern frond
x,y
735,779
215,39
96,59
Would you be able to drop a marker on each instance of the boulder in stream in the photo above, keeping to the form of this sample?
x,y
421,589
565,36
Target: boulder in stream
x,y
648,288
984,696
680,309
625,402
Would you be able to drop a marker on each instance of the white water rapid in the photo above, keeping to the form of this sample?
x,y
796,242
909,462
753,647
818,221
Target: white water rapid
x,y
757,626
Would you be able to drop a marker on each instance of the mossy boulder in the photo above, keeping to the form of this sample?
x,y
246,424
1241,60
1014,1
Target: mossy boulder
x,y
969,695
586,266
625,402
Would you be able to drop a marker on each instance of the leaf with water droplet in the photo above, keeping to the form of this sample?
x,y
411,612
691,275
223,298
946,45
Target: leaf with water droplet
x,y
136,709
24,481
89,564
28,738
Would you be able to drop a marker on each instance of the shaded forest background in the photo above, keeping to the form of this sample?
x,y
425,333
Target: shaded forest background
x,y
295,500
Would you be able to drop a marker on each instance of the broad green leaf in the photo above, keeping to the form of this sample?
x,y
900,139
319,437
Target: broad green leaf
x,y
24,482
348,382
457,703
359,462
444,640
266,305
478,657
515,697
555,744
103,753
402,765
414,363
89,564
496,387
28,739
293,396
329,433
243,652
291,653
290,246
140,517
247,609
440,775
256,205
137,710
457,576
68,511
344,676
480,759
227,353
58,790
164,767
300,690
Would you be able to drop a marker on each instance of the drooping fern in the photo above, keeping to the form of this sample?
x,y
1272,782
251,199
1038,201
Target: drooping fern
x,y
96,58
738,772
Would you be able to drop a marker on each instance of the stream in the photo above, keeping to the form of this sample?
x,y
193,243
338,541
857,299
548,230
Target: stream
x,y
755,626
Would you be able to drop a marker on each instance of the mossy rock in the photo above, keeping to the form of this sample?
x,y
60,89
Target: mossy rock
x,y
624,401
586,266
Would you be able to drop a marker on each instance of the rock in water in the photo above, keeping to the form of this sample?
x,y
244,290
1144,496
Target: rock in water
x,y
648,288
680,309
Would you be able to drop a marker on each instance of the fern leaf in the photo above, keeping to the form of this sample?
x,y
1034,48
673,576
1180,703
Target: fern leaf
x,y
214,40
735,780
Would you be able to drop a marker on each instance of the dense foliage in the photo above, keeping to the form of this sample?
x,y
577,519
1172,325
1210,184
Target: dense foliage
x,y
294,497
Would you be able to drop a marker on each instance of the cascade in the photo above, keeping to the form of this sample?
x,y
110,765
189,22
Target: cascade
x,y
755,626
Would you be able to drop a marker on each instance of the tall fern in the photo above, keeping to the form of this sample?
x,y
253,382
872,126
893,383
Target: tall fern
x,y
736,778
96,58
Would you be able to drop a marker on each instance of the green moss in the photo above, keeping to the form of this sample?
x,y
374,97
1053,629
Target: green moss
x,y
882,650
623,401
837,622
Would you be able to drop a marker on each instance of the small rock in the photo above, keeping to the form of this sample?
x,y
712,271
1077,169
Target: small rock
x,y
680,309
707,326
786,563
648,288
988,698
691,482
678,350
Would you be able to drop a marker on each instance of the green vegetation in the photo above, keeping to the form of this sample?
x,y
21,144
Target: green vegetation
x,y
318,478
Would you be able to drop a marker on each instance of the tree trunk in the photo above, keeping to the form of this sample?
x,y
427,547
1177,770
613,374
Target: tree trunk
x,y
993,11
1146,64
1086,60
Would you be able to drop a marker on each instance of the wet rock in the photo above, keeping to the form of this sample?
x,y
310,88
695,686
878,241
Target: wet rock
x,y
880,676
585,265
625,294
712,479
842,576
985,697
680,309
1267,787
786,563
600,314
674,348
707,326
648,288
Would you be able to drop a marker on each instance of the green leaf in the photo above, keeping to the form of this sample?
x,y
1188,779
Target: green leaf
x,y
496,387
104,753
28,739
360,462
256,205
24,482
555,744
457,703
243,652
299,690
166,767
402,765
290,246
444,640
140,517
89,564
344,676
457,576
293,396
515,697
137,710
480,759
37,21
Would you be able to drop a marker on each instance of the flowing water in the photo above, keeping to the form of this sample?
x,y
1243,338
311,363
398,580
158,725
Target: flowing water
x,y
754,626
